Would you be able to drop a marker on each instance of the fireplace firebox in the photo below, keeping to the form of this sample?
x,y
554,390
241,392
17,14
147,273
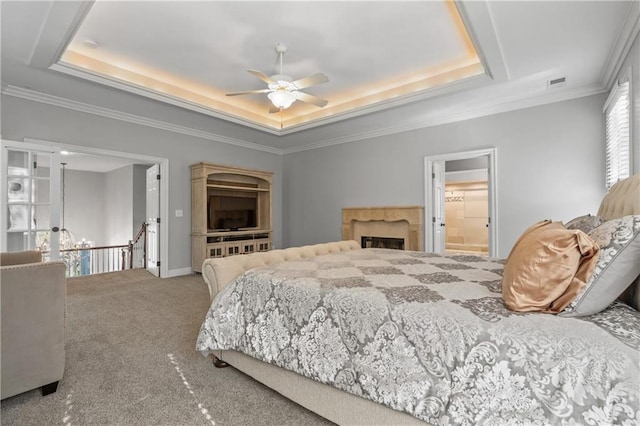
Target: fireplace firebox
x,y
382,242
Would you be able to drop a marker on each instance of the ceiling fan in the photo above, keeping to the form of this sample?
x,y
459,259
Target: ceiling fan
x,y
282,90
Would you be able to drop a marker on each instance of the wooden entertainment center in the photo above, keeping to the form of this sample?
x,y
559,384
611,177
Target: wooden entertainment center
x,y
230,212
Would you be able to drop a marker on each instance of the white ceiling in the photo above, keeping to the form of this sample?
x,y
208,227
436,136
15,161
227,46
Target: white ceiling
x,y
209,45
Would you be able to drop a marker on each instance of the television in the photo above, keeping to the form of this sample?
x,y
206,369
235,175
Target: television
x,y
230,213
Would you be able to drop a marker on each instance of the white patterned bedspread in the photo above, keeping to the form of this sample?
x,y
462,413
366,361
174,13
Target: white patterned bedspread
x,y
430,335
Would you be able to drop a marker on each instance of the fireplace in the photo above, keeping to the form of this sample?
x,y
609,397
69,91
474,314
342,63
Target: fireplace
x,y
382,242
388,223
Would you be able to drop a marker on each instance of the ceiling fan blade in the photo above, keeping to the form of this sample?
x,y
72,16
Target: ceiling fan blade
x,y
249,92
310,99
273,109
312,80
261,76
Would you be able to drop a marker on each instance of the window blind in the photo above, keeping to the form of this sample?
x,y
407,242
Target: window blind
x,y
617,116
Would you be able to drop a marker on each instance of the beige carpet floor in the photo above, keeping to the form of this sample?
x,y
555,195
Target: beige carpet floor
x,y
131,359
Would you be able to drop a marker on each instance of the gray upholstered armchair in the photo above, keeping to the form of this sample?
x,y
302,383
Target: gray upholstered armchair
x,y
33,297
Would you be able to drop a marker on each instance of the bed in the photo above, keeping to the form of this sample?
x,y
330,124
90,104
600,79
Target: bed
x,y
432,341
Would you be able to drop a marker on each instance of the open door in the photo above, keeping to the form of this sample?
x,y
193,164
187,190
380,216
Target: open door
x,y
30,179
153,220
435,235
438,207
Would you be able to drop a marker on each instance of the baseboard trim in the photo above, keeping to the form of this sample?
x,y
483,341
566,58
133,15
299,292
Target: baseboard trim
x,y
178,272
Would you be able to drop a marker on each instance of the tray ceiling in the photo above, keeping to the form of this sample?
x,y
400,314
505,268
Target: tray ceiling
x,y
192,53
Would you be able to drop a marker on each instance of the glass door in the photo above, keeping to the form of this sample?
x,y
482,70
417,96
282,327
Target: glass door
x,y
31,198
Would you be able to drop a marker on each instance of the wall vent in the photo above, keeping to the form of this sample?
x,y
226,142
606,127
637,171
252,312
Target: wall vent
x,y
556,83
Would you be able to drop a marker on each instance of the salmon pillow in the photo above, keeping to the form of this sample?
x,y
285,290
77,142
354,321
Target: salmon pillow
x,y
547,268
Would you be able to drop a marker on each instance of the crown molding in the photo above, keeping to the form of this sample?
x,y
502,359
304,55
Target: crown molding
x,y
436,120
512,104
158,96
44,98
466,83
622,46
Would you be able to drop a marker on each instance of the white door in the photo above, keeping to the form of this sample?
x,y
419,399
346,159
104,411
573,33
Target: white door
x,y
153,220
435,202
30,199
438,207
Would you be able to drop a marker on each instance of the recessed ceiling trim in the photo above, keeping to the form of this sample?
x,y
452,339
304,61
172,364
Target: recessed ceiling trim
x,y
182,91
76,71
628,33
135,89
478,21
469,83
426,86
62,22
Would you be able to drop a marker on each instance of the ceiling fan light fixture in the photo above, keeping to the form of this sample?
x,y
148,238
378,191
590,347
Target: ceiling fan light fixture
x,y
282,90
281,98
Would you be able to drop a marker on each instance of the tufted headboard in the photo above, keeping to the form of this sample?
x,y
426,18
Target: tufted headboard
x,y
218,272
622,199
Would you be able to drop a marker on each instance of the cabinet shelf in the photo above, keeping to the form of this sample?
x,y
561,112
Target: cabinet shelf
x,y
244,232
237,188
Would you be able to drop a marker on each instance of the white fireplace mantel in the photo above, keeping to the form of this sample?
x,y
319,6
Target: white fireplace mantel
x,y
386,222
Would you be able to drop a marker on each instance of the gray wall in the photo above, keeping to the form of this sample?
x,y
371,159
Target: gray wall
x,y
85,205
118,196
550,165
106,208
26,119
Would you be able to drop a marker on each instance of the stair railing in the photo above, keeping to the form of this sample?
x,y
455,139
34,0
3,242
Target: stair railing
x,y
138,249
97,260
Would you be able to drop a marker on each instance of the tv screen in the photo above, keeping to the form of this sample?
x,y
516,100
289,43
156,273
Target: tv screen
x,y
232,213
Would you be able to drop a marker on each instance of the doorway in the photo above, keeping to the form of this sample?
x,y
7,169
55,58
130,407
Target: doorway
x,y
469,186
467,206
160,250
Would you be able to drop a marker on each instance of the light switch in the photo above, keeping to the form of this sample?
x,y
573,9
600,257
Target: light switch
x,y
178,213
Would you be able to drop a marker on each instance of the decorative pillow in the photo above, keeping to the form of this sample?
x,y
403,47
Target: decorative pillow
x,y
631,296
617,268
586,223
547,268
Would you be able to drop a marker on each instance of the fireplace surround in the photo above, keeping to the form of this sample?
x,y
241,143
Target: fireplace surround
x,y
385,222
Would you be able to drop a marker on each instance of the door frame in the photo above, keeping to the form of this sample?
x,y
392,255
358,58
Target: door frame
x,y
492,182
164,187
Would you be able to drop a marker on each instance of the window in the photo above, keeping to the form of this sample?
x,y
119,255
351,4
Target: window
x,y
617,119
